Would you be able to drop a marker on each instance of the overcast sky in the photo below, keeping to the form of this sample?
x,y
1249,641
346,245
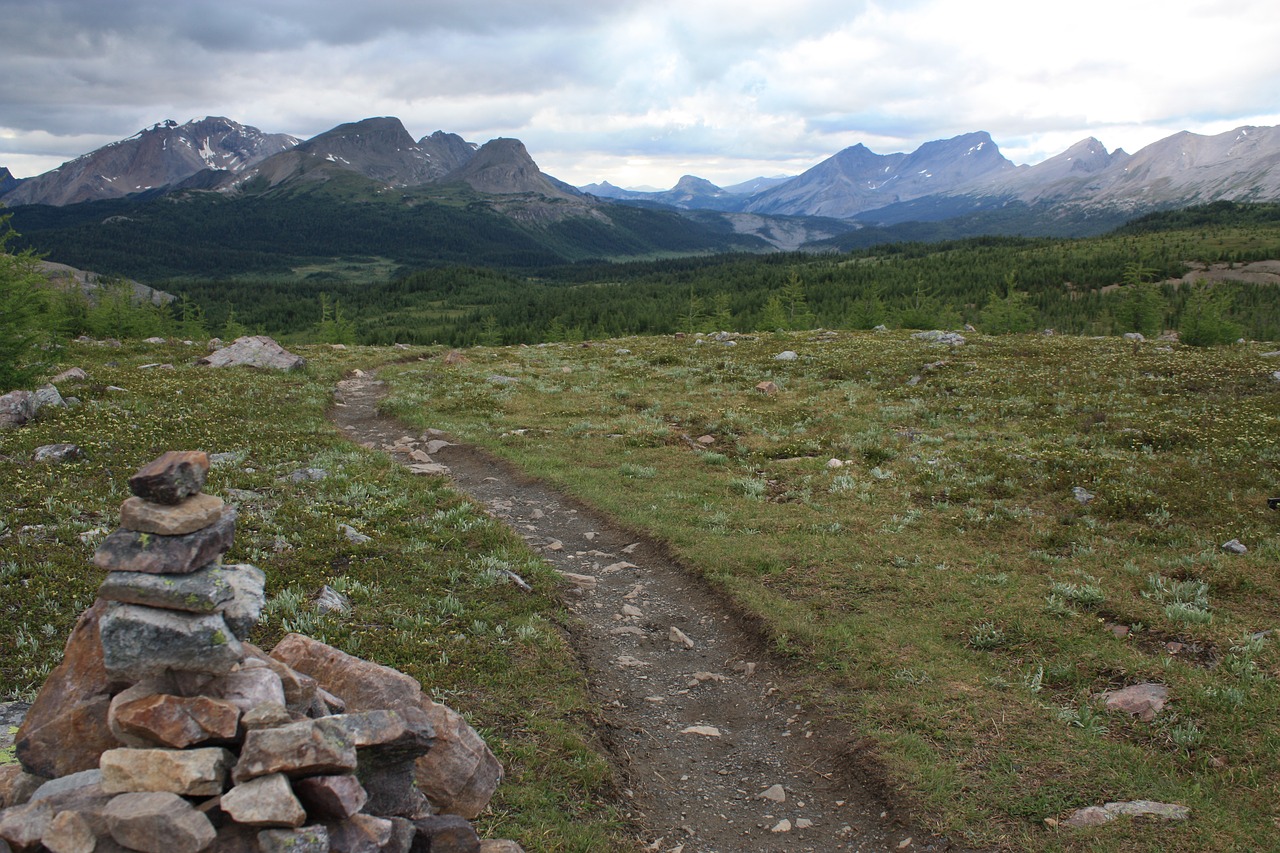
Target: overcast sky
x,y
640,92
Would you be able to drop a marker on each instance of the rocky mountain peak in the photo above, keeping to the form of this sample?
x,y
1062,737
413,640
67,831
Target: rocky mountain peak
x,y
503,167
7,180
161,155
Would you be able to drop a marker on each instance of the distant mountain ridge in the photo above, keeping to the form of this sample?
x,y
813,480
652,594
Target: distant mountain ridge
x,y
159,156
1082,190
968,174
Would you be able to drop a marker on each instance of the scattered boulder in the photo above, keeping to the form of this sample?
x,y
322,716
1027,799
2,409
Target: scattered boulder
x,y
937,336
1235,546
71,374
786,355
57,453
254,351
17,407
767,388
1098,815
1081,494
1136,337
1144,701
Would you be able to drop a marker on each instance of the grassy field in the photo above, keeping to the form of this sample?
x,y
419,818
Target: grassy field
x,y
428,589
943,591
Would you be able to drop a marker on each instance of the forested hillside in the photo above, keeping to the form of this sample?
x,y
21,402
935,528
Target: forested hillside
x,y
1103,285
272,235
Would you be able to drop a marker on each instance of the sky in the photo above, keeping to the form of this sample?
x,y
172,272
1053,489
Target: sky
x,y
641,92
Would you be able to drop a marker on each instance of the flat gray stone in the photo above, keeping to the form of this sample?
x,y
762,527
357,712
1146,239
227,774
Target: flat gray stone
x,y
138,642
201,591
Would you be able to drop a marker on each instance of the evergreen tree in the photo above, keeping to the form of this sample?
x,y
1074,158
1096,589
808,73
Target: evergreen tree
x,y
793,300
1204,319
1007,314
21,303
774,316
1141,307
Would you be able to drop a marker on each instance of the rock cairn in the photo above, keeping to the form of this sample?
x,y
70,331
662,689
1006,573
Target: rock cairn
x,y
164,730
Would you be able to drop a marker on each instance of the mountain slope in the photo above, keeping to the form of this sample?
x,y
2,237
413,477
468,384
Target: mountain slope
x,y
857,179
161,155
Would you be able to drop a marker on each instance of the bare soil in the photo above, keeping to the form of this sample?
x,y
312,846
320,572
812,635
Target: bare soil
x,y
697,729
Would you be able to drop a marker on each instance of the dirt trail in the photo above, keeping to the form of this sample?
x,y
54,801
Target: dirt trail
x,y
699,728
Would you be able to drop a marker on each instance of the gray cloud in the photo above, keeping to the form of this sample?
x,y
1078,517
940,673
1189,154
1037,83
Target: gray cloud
x,y
656,85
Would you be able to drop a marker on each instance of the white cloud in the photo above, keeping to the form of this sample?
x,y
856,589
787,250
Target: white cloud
x,y
642,91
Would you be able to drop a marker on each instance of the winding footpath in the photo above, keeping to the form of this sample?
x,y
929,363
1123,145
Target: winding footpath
x,y
713,754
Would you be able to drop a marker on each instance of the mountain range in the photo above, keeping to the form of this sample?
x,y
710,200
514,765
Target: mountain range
x,y
854,194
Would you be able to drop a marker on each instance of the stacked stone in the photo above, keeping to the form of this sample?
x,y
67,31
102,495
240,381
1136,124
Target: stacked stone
x,y
165,731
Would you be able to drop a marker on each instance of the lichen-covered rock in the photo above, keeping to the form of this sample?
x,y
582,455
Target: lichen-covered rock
x,y
133,551
138,642
201,591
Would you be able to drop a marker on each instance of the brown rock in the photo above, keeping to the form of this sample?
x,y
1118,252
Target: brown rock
x,y
299,689
445,834
458,775
188,516
248,687
767,388
306,839
234,838
1142,700
16,785
268,715
264,801
131,551
69,832
330,798
499,845
307,748
65,730
189,772
158,823
160,719
172,476
24,826
361,684
361,834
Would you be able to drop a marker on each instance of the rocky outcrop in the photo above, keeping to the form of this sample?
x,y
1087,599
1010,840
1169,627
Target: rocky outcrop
x,y
164,731
254,351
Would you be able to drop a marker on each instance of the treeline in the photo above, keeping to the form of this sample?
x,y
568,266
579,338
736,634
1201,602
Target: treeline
x,y
1104,285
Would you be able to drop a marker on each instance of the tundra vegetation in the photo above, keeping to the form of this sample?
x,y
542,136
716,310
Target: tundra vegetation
x,y
945,594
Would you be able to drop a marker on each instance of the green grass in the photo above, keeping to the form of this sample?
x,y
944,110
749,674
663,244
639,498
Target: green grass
x,y
943,594
425,590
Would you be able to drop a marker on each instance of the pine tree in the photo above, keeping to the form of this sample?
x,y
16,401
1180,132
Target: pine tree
x,y
21,303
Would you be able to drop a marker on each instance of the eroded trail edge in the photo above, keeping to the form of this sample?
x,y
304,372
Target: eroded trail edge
x,y
714,754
